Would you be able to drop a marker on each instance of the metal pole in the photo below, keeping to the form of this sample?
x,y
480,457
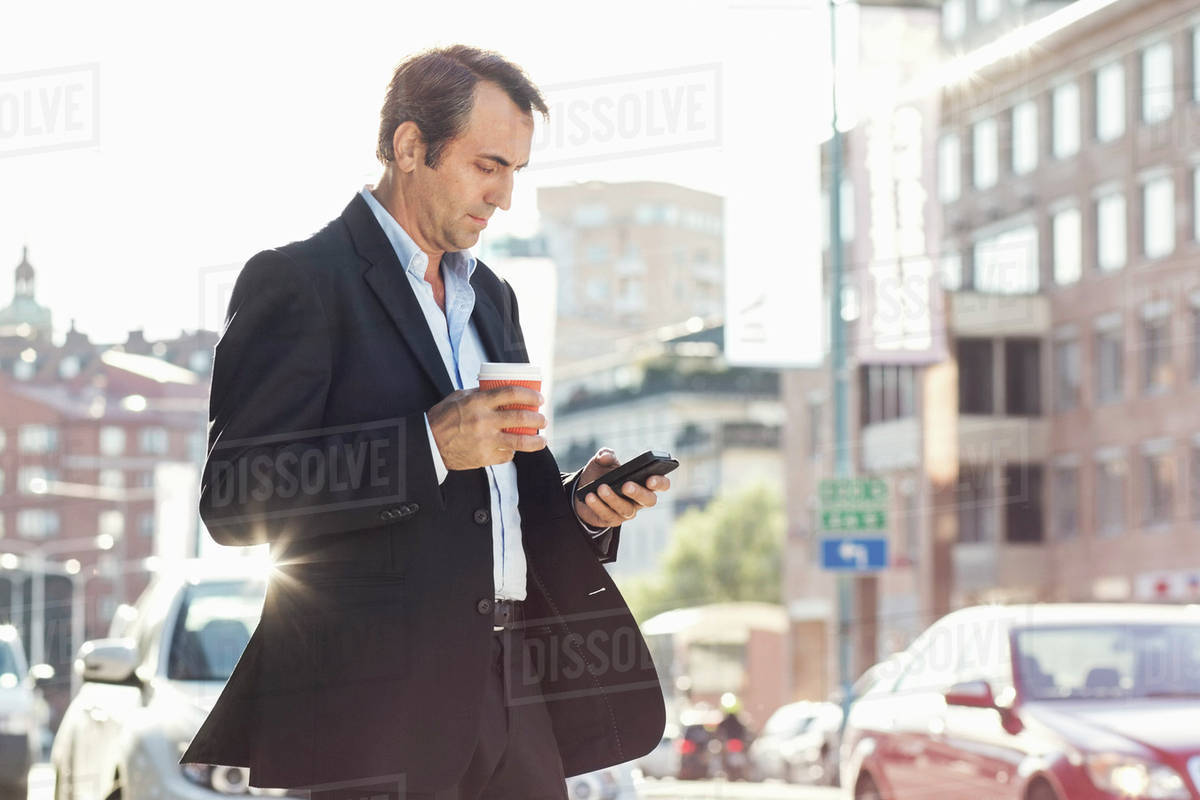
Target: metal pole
x,y
837,348
78,583
37,634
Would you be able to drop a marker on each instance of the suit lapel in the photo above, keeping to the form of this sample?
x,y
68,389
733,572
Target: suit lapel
x,y
500,343
387,279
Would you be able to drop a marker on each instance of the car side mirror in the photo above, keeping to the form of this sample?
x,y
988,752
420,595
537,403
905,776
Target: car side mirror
x,y
41,674
973,694
107,660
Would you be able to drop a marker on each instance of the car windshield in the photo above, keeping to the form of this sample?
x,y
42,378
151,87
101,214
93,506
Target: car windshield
x,y
215,622
1106,661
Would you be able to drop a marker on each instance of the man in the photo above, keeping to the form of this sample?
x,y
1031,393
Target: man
x,y
438,622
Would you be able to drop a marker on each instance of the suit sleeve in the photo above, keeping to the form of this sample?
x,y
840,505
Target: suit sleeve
x,y
273,471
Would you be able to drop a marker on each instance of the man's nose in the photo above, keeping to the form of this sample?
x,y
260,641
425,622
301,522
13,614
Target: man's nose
x,y
500,195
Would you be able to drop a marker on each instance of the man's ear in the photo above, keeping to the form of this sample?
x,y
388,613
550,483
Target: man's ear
x,y
408,146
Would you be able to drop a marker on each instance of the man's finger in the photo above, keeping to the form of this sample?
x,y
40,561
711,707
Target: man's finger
x,y
520,418
521,442
639,494
618,504
513,395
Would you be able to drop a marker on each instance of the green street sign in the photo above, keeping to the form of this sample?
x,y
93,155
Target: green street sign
x,y
849,520
852,493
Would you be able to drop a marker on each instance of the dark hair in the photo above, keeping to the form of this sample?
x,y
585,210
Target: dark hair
x,y
436,90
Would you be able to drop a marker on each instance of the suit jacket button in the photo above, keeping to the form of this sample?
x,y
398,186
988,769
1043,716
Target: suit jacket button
x,y
411,508
385,514
482,516
484,606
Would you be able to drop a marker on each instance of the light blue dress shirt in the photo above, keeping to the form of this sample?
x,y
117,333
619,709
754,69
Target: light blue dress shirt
x,y
462,352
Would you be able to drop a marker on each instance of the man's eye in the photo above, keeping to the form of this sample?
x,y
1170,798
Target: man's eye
x,y
487,170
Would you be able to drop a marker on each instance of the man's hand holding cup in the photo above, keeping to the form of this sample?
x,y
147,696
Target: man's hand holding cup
x,y
485,426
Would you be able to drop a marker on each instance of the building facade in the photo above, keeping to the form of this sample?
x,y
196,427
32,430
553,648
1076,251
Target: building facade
x,y
1051,452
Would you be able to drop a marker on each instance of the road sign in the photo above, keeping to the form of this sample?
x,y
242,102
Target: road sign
x,y
852,493
854,554
854,521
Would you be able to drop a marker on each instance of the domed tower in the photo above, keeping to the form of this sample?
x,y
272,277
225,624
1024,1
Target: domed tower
x,y
23,317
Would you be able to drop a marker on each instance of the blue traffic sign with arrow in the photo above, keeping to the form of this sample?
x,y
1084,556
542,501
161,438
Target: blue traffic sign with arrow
x,y
854,554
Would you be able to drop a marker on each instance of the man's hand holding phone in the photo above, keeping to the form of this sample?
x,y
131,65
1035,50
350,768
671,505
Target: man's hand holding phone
x,y
602,507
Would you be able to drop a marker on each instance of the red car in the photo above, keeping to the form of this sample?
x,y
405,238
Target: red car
x,y
1038,702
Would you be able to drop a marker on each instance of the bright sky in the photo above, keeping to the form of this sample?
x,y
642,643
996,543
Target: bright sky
x,y
242,126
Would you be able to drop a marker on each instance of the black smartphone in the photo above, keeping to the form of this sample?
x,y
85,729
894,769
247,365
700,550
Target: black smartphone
x,y
639,470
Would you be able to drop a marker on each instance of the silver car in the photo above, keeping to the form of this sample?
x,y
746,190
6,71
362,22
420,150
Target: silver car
x,y
149,686
146,691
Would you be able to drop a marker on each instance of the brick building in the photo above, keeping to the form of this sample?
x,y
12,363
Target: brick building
x,y
1050,451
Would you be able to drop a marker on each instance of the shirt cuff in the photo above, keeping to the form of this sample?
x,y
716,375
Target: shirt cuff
x,y
593,532
439,466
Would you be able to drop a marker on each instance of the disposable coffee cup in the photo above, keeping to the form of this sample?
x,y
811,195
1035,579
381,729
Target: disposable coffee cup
x,y
493,374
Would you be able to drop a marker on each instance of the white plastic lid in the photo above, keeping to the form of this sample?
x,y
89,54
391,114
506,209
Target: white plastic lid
x,y
499,370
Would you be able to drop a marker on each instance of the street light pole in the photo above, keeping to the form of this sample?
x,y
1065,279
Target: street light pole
x,y
837,354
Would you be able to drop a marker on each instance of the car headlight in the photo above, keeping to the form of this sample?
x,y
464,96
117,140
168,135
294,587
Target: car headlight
x,y
1133,777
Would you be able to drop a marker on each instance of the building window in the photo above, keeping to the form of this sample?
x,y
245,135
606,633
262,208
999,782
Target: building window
x,y
37,523
112,440
3,439
845,213
1156,348
1196,63
1024,137
597,253
987,10
954,19
111,523
975,376
153,441
815,425
951,269
1158,86
1195,211
1022,377
1007,263
111,479
1158,217
985,152
886,392
1111,245
1194,323
37,439
1065,119
1194,479
1110,101
1,482
1110,496
1024,517
973,503
949,168
1110,357
1158,482
1066,501
591,215
1066,374
146,525
1068,250
26,476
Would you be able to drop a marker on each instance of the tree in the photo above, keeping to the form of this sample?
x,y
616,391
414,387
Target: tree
x,y
732,549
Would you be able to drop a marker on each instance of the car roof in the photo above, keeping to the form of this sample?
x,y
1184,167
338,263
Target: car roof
x,y
1037,615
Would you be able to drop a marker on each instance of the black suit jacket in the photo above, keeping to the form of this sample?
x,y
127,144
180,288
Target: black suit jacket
x,y
373,648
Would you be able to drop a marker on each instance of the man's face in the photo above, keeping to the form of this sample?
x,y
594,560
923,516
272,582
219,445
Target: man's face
x,y
475,175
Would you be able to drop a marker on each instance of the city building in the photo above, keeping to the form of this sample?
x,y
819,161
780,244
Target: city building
x,y
673,391
631,257
100,454
1040,443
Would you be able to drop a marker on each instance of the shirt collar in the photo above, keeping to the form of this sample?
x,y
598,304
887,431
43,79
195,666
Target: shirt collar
x,y
412,257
